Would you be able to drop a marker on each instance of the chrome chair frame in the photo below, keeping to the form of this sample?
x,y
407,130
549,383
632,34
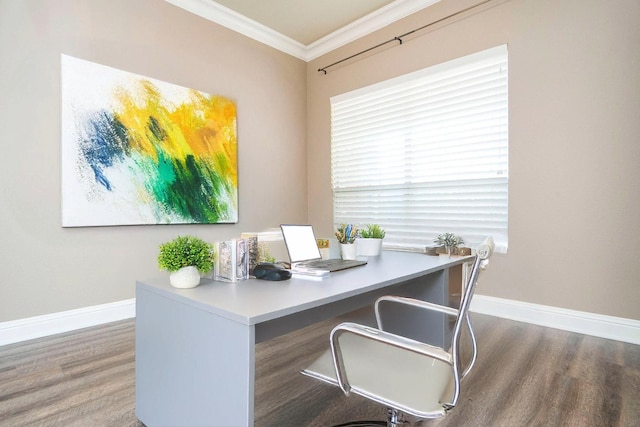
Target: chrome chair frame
x,y
451,357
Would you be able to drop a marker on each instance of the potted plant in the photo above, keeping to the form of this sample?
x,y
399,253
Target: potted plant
x,y
185,257
370,241
323,245
449,241
264,253
346,235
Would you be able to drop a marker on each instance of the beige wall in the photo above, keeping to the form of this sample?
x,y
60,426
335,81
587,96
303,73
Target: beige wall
x,y
574,128
574,81
46,268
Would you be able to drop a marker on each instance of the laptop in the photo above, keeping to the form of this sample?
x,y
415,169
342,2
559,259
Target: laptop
x,y
304,254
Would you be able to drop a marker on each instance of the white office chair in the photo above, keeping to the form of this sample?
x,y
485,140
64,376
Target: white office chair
x,y
405,375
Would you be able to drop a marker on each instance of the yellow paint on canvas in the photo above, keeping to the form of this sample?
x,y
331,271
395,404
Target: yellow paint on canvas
x,y
204,127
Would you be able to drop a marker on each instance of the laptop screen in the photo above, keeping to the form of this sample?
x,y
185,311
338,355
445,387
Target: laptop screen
x,y
301,242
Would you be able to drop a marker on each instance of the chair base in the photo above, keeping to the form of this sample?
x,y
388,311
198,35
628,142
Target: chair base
x,y
394,419
363,424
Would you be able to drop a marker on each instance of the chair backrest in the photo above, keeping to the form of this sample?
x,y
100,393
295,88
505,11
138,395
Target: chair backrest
x,y
483,253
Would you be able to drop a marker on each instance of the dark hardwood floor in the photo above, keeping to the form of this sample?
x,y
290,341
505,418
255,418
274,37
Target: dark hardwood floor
x,y
526,375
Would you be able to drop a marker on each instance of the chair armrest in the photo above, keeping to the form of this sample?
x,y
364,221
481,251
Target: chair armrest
x,y
382,337
486,248
414,303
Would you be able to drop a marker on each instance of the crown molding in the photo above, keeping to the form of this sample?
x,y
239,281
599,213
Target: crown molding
x,y
366,25
228,18
232,20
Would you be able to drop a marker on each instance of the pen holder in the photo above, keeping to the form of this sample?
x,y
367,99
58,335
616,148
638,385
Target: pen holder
x,y
348,250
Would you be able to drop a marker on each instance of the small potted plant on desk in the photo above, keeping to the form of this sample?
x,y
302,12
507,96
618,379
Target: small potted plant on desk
x,y
346,235
323,245
185,257
449,242
370,241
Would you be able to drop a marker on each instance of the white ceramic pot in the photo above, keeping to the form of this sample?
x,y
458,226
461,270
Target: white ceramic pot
x,y
185,278
369,247
348,250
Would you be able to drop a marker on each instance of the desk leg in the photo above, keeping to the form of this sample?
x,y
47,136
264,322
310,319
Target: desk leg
x,y
193,368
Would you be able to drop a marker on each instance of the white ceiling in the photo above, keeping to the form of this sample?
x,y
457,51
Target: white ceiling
x,y
304,28
304,21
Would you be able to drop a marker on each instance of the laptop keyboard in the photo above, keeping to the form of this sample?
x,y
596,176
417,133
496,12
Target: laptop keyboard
x,y
331,264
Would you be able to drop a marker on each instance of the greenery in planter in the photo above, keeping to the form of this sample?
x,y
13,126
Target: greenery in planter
x,y
372,231
184,251
264,254
450,241
346,233
322,243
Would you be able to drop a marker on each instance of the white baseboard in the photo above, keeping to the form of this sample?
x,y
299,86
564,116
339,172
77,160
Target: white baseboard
x,y
615,328
65,321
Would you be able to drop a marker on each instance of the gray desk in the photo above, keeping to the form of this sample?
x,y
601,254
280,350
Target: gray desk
x,y
195,348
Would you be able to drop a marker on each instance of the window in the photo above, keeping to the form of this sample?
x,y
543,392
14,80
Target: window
x,y
426,153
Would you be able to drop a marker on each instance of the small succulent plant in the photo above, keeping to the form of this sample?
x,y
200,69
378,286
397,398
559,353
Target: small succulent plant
x,y
449,240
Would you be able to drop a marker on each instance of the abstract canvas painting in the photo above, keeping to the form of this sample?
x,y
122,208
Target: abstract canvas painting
x,y
141,151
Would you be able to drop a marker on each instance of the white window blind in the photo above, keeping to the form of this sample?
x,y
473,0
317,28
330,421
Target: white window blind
x,y
426,153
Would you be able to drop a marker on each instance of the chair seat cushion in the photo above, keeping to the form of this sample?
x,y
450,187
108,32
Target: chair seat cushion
x,y
395,377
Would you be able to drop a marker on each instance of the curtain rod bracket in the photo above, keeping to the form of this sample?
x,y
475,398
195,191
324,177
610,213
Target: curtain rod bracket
x,y
399,39
323,70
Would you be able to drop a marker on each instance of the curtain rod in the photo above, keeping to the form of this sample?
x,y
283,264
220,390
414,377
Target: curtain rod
x,y
400,37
